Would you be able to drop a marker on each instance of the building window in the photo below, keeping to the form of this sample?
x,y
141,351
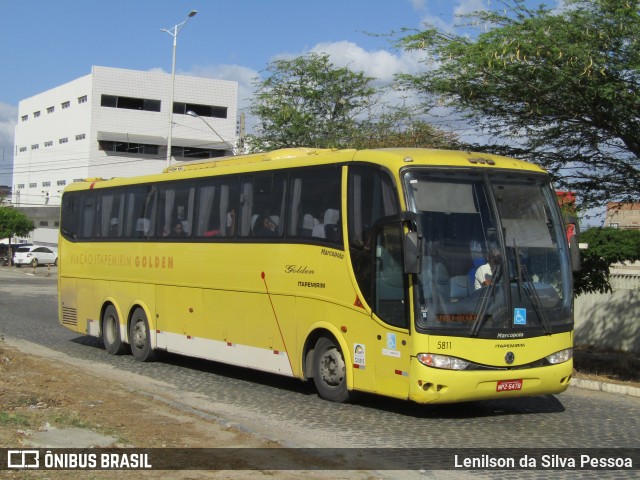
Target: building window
x,y
78,180
50,109
21,185
56,224
62,182
200,110
124,147
33,185
130,103
80,137
64,140
36,114
44,223
193,153
82,99
24,118
46,184
66,104
23,149
48,144
35,146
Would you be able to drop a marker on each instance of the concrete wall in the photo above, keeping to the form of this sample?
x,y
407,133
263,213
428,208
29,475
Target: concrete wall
x,y
611,320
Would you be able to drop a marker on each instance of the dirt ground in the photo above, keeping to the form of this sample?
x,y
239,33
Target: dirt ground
x,y
36,391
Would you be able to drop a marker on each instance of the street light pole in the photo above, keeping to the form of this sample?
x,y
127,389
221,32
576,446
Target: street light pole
x,y
174,33
191,113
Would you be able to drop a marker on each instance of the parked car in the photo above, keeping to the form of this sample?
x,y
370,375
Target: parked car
x,y
35,255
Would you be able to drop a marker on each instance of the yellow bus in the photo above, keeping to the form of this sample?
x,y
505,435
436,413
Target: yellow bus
x,y
428,275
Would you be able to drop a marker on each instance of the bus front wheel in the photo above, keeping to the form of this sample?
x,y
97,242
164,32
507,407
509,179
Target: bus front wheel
x,y
329,371
111,332
140,337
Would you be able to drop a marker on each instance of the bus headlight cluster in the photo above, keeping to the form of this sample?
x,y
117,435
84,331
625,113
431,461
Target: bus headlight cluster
x,y
560,357
442,361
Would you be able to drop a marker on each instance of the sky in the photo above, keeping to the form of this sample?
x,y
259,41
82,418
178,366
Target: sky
x,y
45,43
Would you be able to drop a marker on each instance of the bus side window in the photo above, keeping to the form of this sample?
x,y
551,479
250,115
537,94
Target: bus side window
x,y
175,205
87,214
70,221
216,206
262,206
314,209
140,212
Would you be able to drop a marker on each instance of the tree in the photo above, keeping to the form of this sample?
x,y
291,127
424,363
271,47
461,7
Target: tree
x,y
13,222
606,247
559,88
401,127
309,102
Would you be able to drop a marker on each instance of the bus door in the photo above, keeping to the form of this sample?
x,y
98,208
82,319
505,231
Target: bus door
x,y
391,312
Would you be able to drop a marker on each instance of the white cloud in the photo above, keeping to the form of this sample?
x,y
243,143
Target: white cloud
x,y
237,73
380,64
469,6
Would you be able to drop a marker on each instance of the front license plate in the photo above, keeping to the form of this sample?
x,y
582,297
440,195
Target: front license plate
x,y
508,385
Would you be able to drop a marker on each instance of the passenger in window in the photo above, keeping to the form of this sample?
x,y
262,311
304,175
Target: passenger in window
x,y
266,227
231,222
178,230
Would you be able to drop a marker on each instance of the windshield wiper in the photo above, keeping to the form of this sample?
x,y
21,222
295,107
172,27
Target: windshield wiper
x,y
481,318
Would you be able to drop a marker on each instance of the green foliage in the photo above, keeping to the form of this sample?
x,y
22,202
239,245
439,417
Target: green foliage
x,y
398,127
14,420
309,102
606,247
560,88
14,222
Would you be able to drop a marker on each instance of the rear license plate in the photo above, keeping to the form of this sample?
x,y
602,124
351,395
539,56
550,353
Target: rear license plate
x,y
509,385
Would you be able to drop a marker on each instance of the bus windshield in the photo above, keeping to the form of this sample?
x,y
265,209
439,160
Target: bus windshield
x,y
495,259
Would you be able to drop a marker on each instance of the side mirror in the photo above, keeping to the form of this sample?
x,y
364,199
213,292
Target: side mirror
x,y
412,253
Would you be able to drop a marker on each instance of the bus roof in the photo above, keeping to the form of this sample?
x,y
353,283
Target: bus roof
x,y
392,158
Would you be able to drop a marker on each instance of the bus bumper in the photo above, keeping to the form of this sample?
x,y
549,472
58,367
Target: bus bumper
x,y
434,385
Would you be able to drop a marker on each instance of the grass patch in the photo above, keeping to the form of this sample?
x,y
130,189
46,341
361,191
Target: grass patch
x,y
14,420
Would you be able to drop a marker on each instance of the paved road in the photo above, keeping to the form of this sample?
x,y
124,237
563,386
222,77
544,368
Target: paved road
x,y
290,412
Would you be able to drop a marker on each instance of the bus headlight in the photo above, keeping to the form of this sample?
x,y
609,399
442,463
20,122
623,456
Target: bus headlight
x,y
442,361
560,357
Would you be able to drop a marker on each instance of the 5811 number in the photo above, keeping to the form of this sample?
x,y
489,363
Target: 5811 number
x,y
444,345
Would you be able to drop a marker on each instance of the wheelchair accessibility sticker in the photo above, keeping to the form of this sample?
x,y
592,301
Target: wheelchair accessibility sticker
x,y
519,316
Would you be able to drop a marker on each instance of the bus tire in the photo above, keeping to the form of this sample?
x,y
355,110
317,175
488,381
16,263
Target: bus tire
x,y
140,337
329,371
111,332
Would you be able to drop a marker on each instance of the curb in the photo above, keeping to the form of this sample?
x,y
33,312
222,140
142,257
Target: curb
x,y
605,387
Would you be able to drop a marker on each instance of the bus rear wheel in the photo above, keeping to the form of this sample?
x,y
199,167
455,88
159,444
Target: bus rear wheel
x,y
140,337
111,332
329,371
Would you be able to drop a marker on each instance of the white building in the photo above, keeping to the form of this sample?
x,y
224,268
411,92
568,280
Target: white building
x,y
115,123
